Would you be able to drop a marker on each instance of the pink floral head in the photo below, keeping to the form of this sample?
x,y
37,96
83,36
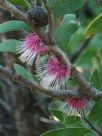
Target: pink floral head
x,y
30,48
53,74
77,106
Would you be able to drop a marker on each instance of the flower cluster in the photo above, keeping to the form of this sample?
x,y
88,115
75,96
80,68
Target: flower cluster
x,y
30,48
77,106
53,74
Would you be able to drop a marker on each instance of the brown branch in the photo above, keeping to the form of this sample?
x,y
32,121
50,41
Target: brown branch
x,y
86,88
14,11
50,23
92,127
80,50
35,86
22,16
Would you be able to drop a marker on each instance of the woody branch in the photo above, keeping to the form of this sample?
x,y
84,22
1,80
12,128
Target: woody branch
x,y
86,88
50,23
35,86
18,14
52,93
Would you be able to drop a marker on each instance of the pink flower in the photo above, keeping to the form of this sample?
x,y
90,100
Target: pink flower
x,y
53,74
77,106
31,48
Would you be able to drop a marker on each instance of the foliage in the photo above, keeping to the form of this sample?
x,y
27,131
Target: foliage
x,y
69,37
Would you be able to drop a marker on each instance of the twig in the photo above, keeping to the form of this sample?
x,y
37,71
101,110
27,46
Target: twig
x,y
36,87
86,88
50,22
14,11
60,94
22,16
92,127
84,45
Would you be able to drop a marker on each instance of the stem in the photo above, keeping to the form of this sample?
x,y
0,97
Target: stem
x,y
50,22
86,88
35,86
22,16
14,11
92,127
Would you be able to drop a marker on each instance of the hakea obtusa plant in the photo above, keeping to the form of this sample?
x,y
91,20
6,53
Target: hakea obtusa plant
x,y
53,74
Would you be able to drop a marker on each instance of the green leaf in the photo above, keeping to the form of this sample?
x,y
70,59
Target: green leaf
x,y
95,26
68,18
64,33
96,112
23,72
69,121
95,80
14,25
51,2
96,42
57,113
85,59
61,7
91,134
76,40
67,132
96,9
23,3
8,45
72,121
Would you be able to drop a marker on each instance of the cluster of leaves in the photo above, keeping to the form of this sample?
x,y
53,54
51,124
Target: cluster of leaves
x,y
69,37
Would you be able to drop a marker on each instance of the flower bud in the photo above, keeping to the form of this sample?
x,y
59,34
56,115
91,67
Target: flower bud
x,y
38,16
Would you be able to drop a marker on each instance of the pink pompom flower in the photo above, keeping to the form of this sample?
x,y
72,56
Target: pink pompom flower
x,y
30,48
77,106
54,74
